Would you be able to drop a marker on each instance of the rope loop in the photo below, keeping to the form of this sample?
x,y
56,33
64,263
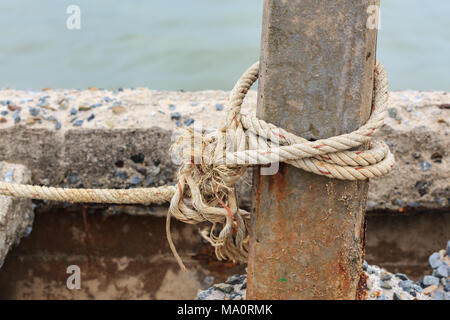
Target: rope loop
x,y
207,186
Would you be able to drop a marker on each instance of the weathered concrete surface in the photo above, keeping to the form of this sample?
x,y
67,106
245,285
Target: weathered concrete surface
x,y
418,132
16,215
129,146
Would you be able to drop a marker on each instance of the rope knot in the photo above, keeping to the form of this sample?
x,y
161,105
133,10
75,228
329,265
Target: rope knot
x,y
206,192
213,163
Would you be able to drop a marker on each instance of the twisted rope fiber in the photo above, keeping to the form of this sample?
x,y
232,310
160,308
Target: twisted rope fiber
x,y
213,163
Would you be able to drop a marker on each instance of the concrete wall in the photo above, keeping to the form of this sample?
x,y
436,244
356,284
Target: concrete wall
x,y
98,138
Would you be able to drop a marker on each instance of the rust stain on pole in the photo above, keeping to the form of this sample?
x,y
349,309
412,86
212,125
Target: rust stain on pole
x,y
316,80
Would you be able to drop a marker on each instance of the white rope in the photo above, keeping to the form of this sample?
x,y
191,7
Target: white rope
x,y
213,164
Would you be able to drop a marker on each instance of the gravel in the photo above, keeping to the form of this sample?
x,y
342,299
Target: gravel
x,y
381,284
233,289
397,296
447,286
434,260
442,271
365,265
385,276
385,285
430,281
401,276
406,285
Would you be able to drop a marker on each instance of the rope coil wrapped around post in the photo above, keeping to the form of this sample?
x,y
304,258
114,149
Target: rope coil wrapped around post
x,y
213,163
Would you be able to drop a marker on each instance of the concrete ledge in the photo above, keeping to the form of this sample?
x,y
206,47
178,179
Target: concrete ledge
x,y
16,216
99,138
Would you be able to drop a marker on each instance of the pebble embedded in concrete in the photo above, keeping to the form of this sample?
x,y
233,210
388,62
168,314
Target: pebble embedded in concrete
x,y
434,260
430,281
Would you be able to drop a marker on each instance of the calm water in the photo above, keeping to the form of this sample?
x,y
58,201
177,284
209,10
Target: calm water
x,y
190,45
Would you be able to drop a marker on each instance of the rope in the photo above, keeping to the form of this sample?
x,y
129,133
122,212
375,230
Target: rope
x,y
213,163
113,196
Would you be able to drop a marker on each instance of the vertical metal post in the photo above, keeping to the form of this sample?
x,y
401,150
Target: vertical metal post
x,y
316,80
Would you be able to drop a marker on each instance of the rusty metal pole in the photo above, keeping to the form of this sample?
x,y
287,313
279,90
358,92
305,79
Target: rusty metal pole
x,y
316,80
